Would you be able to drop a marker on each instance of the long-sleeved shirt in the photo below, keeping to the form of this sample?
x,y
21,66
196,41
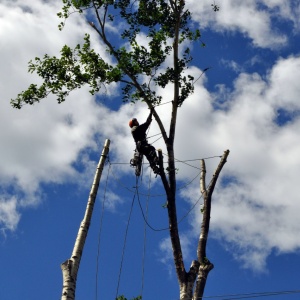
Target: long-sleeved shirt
x,y
139,132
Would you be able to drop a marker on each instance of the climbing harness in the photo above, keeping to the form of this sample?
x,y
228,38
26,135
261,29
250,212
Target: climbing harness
x,y
136,162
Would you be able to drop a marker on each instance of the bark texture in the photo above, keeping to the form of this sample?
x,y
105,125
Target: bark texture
x,y
70,266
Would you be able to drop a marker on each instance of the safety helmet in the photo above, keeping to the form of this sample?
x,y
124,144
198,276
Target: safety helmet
x,y
132,122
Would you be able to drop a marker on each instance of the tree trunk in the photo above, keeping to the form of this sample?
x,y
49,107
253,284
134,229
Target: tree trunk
x,y
205,265
70,267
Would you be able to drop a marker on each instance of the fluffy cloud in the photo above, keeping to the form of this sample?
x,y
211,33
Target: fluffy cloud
x,y
9,217
49,143
41,143
254,19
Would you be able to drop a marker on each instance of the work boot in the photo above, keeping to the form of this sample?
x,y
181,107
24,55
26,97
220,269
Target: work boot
x,y
155,169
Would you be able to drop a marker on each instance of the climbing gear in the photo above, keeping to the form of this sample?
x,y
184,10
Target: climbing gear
x,y
153,157
153,160
138,145
155,169
131,122
136,162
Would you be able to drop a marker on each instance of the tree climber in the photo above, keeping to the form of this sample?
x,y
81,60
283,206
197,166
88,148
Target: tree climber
x,y
139,135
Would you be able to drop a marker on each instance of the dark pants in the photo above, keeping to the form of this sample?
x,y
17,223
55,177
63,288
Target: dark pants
x,y
149,152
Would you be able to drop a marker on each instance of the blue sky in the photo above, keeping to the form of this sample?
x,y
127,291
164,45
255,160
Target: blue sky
x,y
247,102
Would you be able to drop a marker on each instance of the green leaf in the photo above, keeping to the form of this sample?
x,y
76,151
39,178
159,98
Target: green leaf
x,y
134,66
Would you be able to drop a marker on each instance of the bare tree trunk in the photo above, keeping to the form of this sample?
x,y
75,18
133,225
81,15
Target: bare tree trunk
x,y
205,265
70,267
199,268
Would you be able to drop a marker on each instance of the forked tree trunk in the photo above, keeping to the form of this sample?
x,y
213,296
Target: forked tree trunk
x,y
70,267
205,265
199,268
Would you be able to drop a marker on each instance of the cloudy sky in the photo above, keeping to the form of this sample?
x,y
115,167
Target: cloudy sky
x,y
248,102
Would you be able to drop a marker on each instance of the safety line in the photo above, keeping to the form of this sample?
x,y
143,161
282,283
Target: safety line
x,y
144,217
180,220
188,183
205,158
155,195
149,137
183,161
163,103
178,160
156,140
201,74
124,245
132,191
145,236
127,188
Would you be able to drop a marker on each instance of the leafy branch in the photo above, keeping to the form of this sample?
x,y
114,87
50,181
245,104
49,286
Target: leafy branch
x,y
83,66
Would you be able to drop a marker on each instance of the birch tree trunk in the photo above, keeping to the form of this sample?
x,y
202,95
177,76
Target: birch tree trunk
x,y
70,266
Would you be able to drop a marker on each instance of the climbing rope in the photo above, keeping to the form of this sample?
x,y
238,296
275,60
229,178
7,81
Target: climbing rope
x,y
145,236
182,161
156,140
123,185
180,220
149,137
185,161
125,240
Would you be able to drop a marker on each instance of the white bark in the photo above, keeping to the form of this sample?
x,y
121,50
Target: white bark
x,y
70,267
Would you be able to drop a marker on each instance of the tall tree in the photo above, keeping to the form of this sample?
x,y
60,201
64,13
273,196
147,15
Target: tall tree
x,y
139,70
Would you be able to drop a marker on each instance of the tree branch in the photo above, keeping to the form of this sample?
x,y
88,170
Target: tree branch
x,y
134,81
217,172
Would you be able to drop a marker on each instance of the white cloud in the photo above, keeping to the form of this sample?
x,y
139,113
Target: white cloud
x,y
40,143
285,10
9,216
253,19
285,93
112,200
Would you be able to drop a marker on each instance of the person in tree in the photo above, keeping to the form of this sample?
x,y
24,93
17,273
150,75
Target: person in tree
x,y
139,135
